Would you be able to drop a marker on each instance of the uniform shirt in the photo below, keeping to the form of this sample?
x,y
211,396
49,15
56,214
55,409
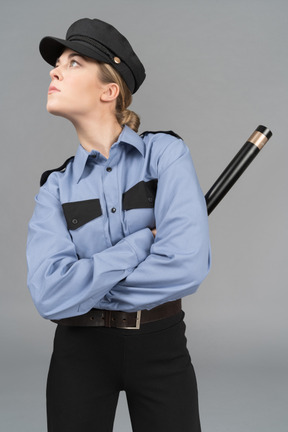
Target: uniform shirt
x,y
90,243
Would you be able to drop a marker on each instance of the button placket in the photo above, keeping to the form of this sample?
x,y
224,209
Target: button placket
x,y
111,194
109,170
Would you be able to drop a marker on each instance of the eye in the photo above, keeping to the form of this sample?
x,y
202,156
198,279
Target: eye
x,y
73,63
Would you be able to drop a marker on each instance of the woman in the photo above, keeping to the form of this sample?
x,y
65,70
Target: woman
x,y
119,234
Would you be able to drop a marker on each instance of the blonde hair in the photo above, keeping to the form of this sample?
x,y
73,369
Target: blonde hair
x,y
124,116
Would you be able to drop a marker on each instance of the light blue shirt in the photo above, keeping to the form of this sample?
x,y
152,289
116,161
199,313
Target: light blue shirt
x,y
90,243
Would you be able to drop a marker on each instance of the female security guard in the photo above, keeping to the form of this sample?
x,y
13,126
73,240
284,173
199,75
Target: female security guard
x,y
96,264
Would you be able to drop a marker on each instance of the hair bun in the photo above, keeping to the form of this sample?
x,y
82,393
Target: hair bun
x,y
130,118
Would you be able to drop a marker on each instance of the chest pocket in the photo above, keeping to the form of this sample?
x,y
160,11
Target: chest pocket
x,y
88,238
78,213
138,205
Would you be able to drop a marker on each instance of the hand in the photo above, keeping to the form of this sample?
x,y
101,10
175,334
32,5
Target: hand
x,y
154,232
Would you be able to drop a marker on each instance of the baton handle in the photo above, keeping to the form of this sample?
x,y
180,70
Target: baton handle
x,y
237,166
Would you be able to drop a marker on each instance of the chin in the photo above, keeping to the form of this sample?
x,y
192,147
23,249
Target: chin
x,y
54,110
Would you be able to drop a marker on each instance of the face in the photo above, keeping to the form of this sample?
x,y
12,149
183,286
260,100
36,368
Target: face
x,y
75,88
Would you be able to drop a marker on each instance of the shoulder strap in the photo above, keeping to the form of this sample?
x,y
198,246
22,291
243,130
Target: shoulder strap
x,y
46,174
165,132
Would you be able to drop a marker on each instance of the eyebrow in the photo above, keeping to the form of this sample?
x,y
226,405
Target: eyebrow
x,y
71,55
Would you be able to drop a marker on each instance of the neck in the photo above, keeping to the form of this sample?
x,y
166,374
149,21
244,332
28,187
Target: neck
x,y
98,134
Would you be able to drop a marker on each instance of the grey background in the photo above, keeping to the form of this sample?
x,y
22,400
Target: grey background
x,y
215,71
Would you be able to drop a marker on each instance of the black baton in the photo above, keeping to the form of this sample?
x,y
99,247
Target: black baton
x,y
236,167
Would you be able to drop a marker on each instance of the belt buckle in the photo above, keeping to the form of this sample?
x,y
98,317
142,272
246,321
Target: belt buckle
x,y
137,325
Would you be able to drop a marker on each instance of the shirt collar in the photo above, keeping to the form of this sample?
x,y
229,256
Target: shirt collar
x,y
127,136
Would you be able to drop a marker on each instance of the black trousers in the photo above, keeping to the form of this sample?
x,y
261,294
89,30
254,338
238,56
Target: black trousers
x,y
91,365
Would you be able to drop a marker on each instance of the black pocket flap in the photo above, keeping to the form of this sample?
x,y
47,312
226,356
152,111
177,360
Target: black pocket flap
x,y
78,213
142,195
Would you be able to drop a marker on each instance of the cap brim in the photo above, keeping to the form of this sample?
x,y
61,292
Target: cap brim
x,y
51,49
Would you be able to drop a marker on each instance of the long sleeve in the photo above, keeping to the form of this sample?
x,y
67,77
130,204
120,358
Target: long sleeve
x,y
60,283
180,256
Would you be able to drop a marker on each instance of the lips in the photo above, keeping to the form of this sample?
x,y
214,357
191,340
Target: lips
x,y
53,89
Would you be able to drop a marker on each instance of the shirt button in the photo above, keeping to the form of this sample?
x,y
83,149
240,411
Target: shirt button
x,y
108,169
75,221
113,210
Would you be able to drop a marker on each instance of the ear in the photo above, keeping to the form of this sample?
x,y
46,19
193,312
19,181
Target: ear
x,y
110,93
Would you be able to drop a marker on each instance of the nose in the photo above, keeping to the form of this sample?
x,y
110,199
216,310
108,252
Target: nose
x,y
56,73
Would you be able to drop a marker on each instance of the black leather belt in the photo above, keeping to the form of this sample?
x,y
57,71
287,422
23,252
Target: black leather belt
x,y
124,320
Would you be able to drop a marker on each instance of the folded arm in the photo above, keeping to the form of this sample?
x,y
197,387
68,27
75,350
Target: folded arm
x,y
63,285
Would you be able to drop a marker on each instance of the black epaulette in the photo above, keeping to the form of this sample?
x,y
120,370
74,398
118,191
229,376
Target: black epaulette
x,y
165,132
46,174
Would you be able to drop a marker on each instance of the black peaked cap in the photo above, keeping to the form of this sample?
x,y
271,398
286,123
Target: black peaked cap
x,y
100,41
